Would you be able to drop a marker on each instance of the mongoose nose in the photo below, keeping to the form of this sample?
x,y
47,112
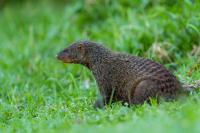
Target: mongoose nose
x,y
57,57
60,56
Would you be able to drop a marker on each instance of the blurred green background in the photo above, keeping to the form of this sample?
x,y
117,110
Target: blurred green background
x,y
40,94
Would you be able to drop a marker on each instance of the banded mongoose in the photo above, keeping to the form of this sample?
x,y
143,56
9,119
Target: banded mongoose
x,y
123,77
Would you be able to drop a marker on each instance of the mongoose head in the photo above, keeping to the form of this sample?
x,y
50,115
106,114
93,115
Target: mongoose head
x,y
75,53
82,52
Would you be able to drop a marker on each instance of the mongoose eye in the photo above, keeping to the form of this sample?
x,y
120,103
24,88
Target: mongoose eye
x,y
65,50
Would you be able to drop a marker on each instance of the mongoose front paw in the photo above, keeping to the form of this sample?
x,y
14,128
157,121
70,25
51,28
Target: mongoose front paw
x,y
99,104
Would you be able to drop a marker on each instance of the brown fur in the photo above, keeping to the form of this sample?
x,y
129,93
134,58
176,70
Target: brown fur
x,y
131,79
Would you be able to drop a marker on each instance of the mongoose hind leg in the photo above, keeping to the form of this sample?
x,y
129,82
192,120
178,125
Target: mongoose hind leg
x,y
145,90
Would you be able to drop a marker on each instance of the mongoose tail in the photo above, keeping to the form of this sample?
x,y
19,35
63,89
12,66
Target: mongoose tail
x,y
191,87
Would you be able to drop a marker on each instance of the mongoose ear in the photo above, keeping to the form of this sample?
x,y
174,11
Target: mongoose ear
x,y
81,46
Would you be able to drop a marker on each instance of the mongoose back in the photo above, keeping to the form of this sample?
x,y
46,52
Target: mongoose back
x,y
122,77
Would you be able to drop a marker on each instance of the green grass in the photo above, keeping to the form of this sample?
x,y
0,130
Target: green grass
x,y
40,94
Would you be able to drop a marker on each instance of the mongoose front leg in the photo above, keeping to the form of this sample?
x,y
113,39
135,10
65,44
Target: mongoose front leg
x,y
144,90
105,90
